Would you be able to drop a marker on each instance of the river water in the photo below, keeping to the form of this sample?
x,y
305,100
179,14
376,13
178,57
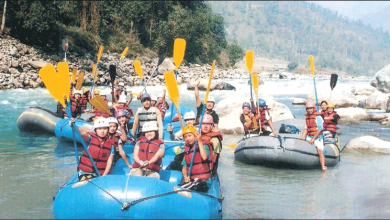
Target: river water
x,y
34,166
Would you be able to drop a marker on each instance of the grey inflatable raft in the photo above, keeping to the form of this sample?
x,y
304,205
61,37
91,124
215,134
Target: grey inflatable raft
x,y
40,120
288,151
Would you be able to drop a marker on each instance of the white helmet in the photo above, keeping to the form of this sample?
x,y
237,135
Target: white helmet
x,y
77,92
122,99
189,115
153,98
149,126
121,84
112,120
100,123
103,92
211,99
109,104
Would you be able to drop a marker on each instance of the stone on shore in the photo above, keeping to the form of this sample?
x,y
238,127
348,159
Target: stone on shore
x,y
37,64
369,144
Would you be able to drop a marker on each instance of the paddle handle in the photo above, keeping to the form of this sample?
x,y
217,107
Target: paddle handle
x,y
74,128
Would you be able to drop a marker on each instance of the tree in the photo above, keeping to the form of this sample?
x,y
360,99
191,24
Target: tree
x,y
3,19
291,66
235,52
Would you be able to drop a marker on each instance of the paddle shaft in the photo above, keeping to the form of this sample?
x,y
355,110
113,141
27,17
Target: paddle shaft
x,y
315,92
250,82
74,128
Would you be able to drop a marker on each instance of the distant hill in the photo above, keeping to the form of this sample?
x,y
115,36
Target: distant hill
x,y
293,30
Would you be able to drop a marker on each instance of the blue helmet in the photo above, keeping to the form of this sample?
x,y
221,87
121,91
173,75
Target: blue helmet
x,y
145,96
262,103
246,104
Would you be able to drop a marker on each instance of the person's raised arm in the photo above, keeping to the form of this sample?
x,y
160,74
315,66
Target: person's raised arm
x,y
198,102
135,124
159,124
131,98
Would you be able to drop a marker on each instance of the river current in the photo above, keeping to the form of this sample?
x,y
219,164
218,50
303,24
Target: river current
x,y
34,166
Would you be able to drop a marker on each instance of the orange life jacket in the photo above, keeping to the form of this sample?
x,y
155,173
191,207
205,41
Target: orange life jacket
x,y
311,124
100,152
147,150
200,168
330,125
254,126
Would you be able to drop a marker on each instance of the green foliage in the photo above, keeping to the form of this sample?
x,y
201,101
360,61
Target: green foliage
x,y
291,66
139,25
293,30
235,52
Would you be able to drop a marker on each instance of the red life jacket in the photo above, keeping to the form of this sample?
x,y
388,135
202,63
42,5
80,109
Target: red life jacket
x,y
162,109
263,121
147,150
100,152
115,138
200,168
330,125
311,124
99,113
84,101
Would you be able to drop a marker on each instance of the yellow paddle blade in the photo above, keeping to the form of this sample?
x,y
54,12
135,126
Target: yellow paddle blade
x,y
138,68
255,83
249,57
209,84
311,65
124,52
101,48
100,104
172,88
232,146
74,73
94,74
179,48
63,71
80,80
135,94
52,82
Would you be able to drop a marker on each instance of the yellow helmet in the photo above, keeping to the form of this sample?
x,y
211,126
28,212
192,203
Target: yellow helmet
x,y
189,129
85,90
96,92
330,105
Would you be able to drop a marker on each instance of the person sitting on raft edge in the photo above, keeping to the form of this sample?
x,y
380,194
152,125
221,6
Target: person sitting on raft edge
x,y
202,164
313,130
100,147
148,152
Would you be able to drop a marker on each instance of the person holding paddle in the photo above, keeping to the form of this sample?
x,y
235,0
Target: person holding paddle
x,y
324,106
202,165
162,105
209,108
248,120
313,132
265,119
100,147
189,119
145,114
85,99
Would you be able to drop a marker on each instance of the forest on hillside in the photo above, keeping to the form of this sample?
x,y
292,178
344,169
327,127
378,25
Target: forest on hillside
x,y
146,27
292,30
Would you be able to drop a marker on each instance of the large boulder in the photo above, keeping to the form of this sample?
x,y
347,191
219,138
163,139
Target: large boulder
x,y
341,96
37,64
202,84
224,86
363,90
355,113
166,65
229,112
377,100
370,144
381,80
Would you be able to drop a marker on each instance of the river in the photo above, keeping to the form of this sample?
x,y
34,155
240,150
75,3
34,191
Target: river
x,y
34,166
